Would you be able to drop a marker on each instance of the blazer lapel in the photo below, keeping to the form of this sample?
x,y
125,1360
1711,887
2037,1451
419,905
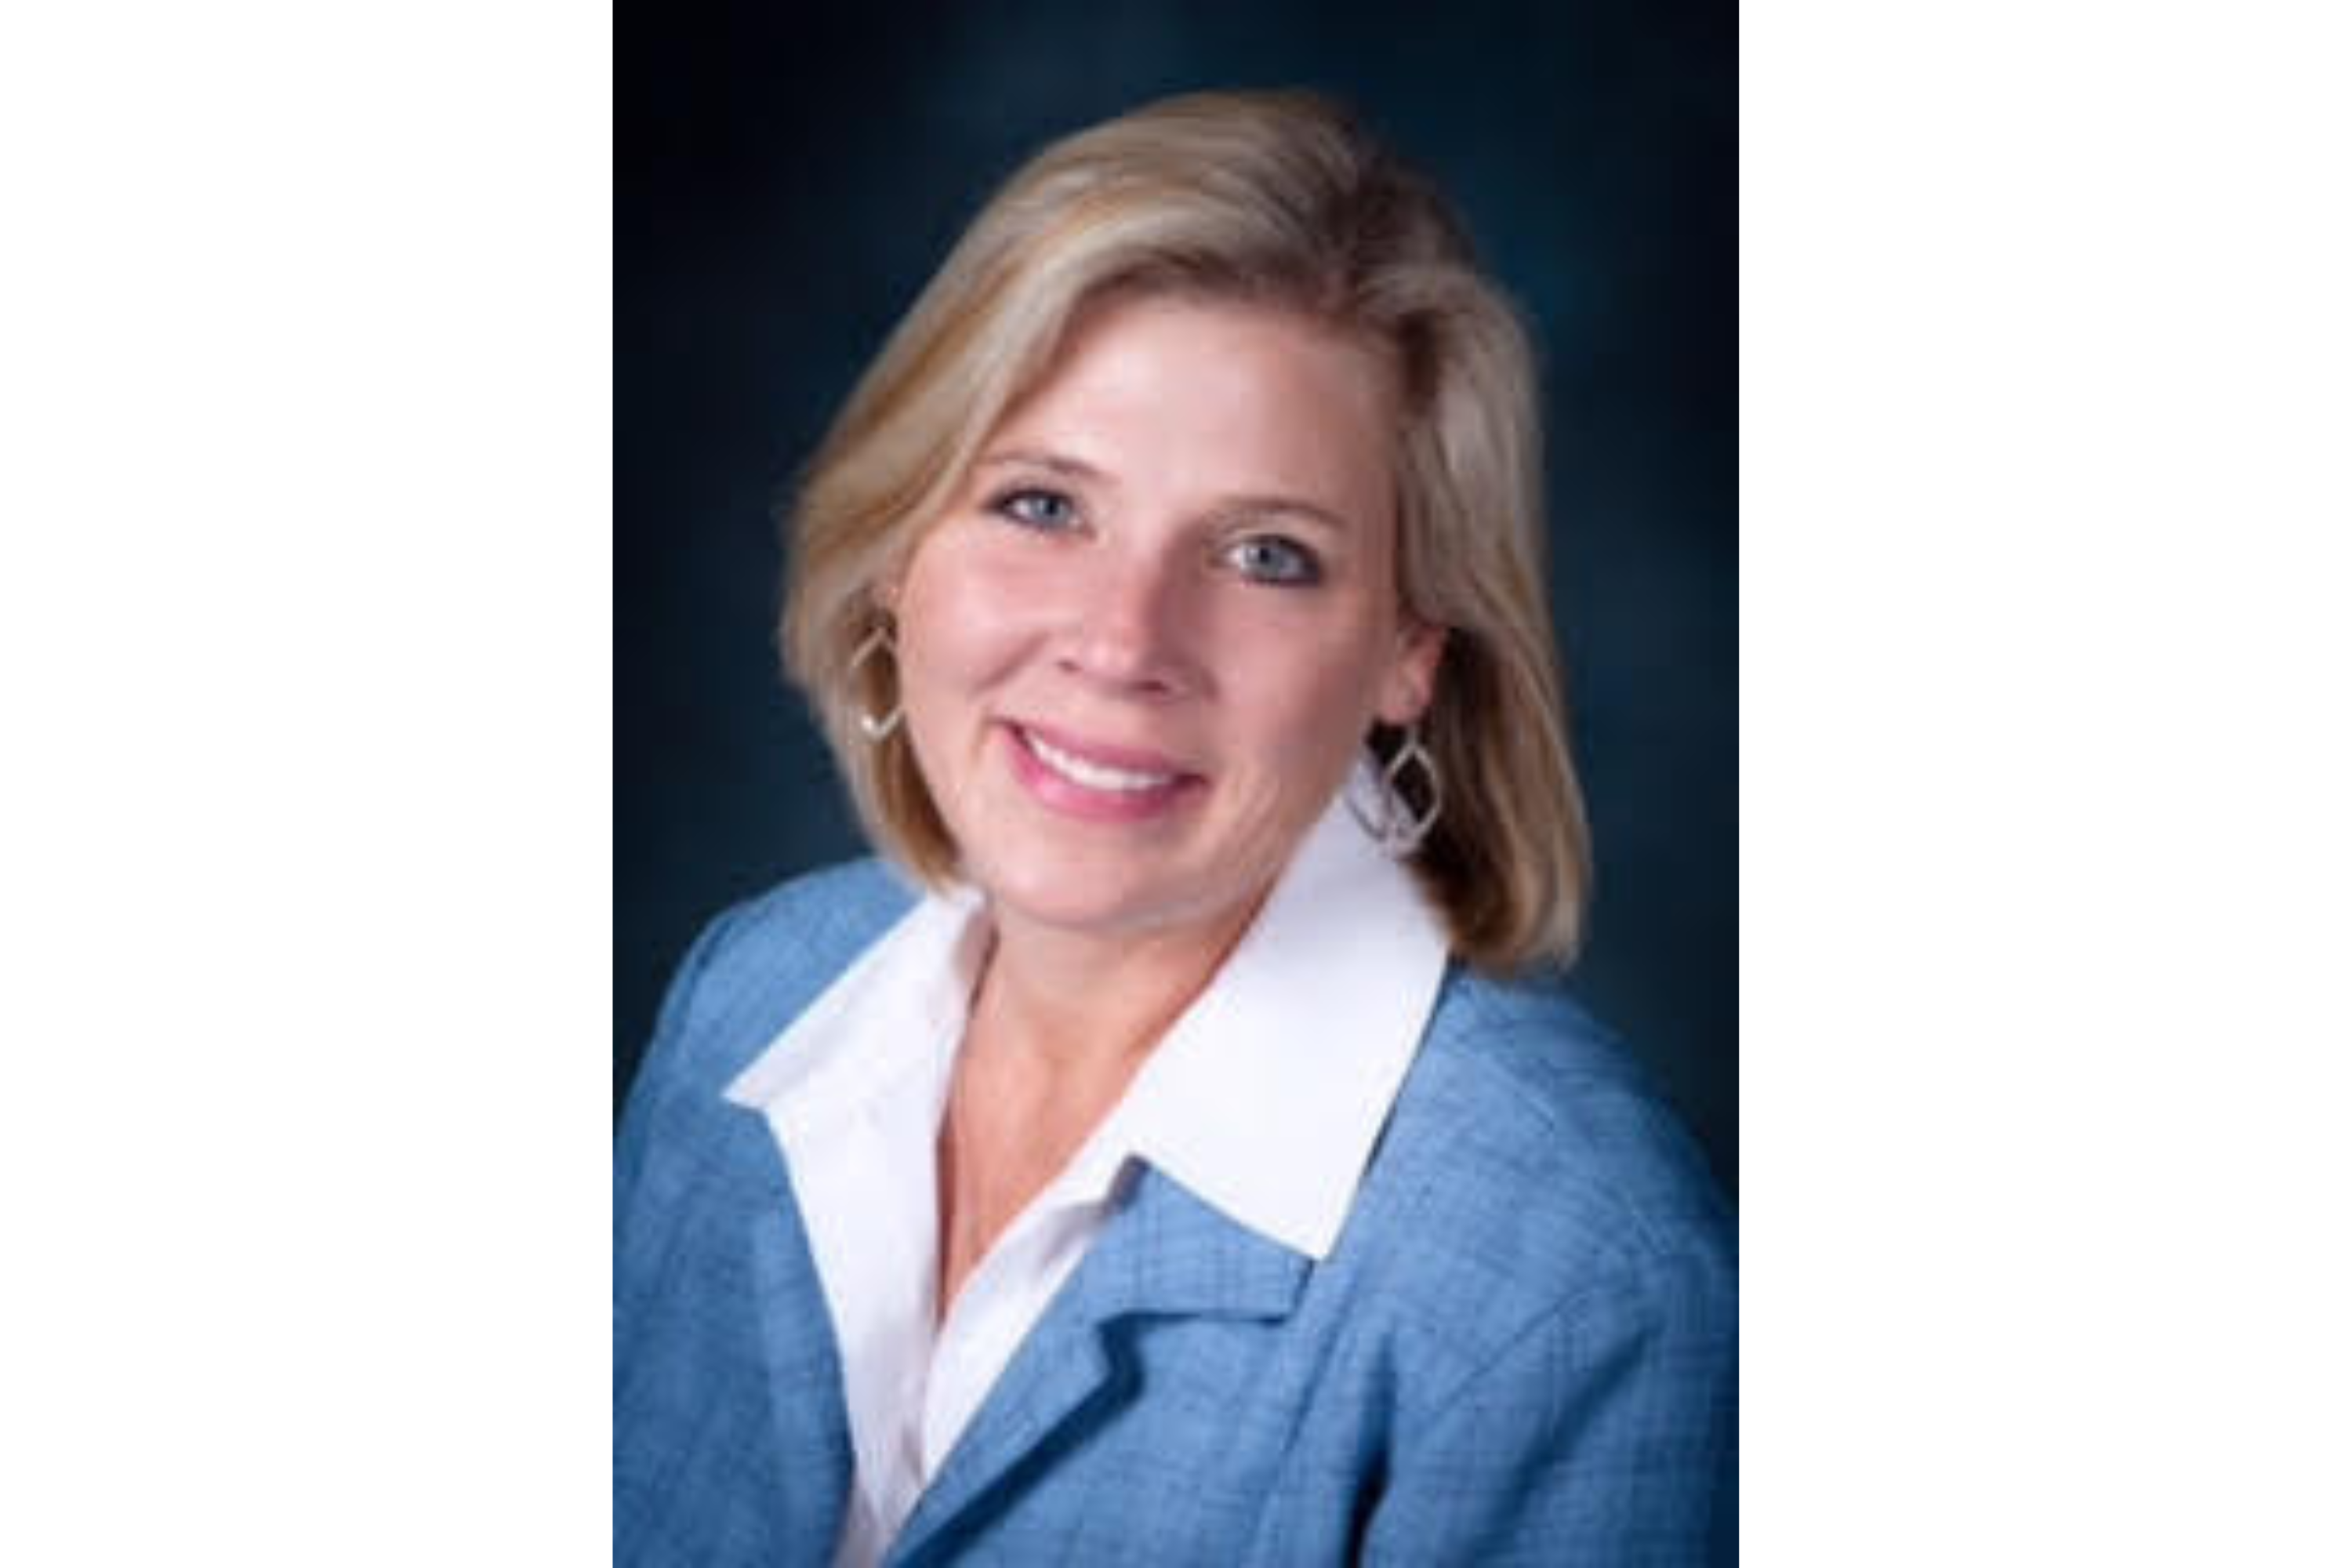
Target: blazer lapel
x,y
1165,1253
795,1331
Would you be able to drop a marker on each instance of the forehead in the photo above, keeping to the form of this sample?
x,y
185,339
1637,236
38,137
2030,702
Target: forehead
x,y
1215,395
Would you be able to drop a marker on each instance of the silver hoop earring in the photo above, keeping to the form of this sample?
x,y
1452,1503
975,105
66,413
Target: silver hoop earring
x,y
1395,825
876,726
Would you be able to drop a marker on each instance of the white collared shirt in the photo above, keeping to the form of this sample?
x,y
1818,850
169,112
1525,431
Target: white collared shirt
x,y
1264,1099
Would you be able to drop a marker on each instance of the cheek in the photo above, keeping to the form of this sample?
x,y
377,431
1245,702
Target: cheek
x,y
959,629
1306,696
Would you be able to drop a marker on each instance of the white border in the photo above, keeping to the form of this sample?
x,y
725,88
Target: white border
x,y
2046,402
305,642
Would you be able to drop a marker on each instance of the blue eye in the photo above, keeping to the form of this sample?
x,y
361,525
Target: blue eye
x,y
1040,509
1270,558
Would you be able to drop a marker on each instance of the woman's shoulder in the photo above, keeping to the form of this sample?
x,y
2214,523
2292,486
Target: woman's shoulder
x,y
823,918
1530,1170
760,964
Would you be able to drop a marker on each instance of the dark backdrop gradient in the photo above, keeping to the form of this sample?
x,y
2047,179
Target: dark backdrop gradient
x,y
789,176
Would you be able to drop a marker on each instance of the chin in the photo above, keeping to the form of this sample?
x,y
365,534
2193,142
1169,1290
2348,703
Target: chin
x,y
1080,904
1105,900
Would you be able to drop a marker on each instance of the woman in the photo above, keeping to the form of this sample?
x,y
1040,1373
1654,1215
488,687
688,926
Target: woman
x,y
1162,1165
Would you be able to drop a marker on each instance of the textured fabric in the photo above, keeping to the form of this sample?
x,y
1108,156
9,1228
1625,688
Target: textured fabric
x,y
853,1092
1521,1349
1264,1098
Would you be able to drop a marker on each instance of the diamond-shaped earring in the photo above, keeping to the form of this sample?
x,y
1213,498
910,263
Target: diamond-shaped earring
x,y
876,726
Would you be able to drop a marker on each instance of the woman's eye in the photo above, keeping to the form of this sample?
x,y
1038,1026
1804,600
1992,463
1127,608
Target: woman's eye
x,y
1268,558
1035,508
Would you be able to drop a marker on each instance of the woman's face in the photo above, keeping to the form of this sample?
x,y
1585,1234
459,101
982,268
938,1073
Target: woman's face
x,y
1140,652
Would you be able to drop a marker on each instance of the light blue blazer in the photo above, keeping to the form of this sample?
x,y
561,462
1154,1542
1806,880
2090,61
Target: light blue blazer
x,y
1520,1350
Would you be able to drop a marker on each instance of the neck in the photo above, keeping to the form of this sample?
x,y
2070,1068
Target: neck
x,y
1059,1025
1084,1009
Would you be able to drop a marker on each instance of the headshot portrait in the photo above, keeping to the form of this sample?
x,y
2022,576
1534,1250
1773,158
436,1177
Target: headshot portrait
x,y
1243,928
1176,984
1211,808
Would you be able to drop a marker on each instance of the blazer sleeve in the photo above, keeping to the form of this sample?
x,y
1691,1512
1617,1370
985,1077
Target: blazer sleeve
x,y
1605,1431
658,1068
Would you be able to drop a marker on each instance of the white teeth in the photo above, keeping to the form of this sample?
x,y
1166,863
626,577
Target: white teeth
x,y
1094,776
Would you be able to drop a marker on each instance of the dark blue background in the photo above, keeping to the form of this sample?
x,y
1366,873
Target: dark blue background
x,y
787,178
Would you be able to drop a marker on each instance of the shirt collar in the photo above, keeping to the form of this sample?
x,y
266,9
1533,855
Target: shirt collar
x,y
888,1024
1264,1098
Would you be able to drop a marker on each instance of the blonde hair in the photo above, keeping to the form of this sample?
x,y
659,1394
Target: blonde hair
x,y
1269,199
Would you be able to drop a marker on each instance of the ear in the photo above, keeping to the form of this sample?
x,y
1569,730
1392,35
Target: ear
x,y
1410,679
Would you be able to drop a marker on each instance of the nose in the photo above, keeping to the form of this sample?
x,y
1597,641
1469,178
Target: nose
x,y
1129,627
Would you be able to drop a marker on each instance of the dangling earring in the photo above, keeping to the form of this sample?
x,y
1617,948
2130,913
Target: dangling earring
x,y
1398,829
876,726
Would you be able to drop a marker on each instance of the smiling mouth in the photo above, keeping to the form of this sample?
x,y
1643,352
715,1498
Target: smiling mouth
x,y
1090,774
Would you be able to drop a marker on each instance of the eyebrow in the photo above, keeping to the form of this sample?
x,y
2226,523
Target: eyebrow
x,y
1077,469
1023,458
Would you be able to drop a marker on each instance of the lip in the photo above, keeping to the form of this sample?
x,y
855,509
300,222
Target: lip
x,y
1068,797
1130,759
